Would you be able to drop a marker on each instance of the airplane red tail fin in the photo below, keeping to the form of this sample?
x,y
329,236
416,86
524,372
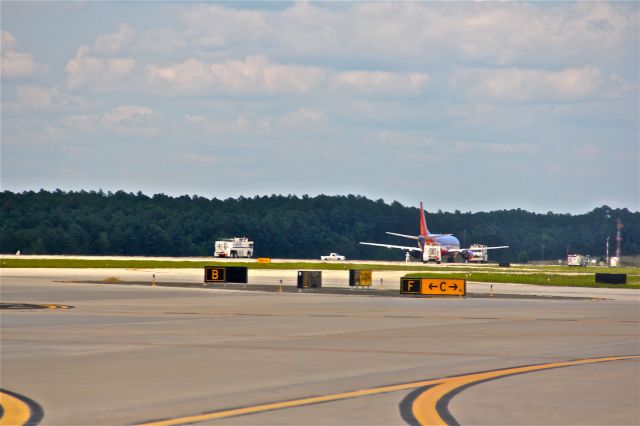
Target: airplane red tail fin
x,y
423,223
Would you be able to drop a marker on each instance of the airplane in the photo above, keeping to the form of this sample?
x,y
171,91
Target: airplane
x,y
449,245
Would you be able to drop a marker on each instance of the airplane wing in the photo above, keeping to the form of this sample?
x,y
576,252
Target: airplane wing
x,y
413,237
392,246
470,249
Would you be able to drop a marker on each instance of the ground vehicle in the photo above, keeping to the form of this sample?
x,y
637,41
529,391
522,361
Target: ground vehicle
x,y
476,253
333,256
432,253
577,260
233,247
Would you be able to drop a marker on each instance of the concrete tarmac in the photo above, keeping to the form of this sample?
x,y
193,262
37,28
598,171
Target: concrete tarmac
x,y
132,354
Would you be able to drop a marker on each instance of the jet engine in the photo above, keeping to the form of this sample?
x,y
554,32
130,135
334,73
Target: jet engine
x,y
466,255
416,255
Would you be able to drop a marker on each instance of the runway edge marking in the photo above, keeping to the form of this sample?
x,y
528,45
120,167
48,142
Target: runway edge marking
x,y
430,407
18,410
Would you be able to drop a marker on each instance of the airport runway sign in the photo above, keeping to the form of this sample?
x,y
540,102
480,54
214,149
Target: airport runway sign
x,y
433,286
214,274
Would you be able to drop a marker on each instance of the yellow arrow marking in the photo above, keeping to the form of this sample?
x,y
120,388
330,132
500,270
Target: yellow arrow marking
x,y
425,405
15,412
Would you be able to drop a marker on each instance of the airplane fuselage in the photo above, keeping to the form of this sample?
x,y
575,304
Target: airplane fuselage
x,y
447,242
449,245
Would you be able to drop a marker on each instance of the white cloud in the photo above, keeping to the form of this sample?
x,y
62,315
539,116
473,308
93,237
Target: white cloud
x,y
15,63
194,118
472,113
94,68
303,118
212,26
123,119
378,82
489,33
32,97
521,85
100,74
254,75
126,113
494,148
112,44
240,124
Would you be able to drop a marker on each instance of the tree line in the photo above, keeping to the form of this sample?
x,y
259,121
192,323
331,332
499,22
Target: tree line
x,y
286,226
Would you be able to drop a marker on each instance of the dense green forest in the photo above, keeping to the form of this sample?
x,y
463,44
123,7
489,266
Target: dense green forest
x,y
285,226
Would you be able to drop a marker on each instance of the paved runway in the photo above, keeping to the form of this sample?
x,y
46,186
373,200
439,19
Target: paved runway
x,y
139,354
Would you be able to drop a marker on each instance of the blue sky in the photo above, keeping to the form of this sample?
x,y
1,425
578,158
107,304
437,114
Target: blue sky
x,y
463,105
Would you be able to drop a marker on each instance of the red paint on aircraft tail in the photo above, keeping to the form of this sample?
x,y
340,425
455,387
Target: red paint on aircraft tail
x,y
423,223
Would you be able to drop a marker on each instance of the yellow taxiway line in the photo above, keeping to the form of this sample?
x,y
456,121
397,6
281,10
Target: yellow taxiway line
x,y
290,404
427,408
424,406
15,410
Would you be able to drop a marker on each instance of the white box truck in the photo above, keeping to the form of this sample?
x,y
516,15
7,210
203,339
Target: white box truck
x,y
432,253
233,247
577,260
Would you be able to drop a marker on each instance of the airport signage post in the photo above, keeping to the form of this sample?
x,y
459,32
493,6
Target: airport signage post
x,y
359,278
264,260
433,286
225,274
309,279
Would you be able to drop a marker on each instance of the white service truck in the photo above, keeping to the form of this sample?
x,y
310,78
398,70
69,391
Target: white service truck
x,y
333,256
577,260
432,253
233,247
479,253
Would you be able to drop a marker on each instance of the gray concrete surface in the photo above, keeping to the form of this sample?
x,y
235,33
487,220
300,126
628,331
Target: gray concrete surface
x,y
130,354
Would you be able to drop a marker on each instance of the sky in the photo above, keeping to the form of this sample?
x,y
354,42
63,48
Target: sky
x,y
471,106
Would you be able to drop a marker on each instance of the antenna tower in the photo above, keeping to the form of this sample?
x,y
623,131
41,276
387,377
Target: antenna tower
x,y
619,227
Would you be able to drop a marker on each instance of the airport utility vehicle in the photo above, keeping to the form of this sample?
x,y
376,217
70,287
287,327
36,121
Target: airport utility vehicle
x,y
233,247
432,253
577,260
333,256
477,253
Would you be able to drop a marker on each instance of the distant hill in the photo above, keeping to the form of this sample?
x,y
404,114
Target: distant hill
x,y
285,226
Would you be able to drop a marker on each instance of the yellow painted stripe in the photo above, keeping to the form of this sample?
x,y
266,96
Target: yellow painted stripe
x,y
58,306
290,404
424,406
421,413
15,411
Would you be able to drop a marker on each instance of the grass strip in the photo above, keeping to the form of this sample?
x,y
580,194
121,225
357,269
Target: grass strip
x,y
633,281
178,264
525,274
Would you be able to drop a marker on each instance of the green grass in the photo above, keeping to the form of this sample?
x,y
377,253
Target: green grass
x,y
633,281
177,264
521,274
